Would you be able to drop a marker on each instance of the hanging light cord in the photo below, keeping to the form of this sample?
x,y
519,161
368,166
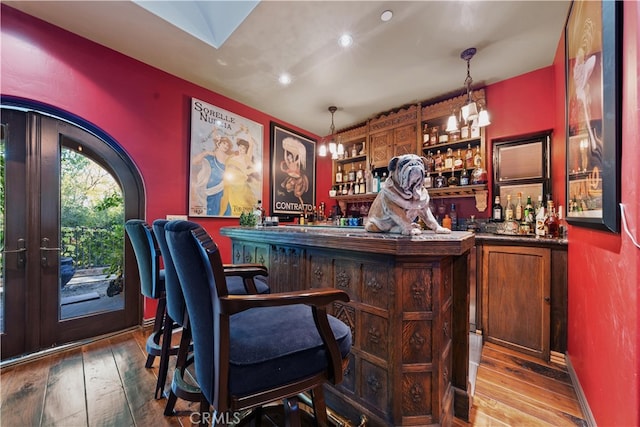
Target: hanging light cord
x,y
626,227
468,80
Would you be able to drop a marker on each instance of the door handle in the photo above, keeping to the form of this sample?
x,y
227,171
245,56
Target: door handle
x,y
44,248
21,251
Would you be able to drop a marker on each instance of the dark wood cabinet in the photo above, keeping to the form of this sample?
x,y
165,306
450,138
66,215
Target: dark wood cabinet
x,y
522,290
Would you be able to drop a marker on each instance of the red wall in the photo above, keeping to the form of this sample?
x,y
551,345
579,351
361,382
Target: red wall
x,y
604,280
147,111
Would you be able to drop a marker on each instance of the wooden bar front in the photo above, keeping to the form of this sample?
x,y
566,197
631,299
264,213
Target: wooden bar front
x,y
409,314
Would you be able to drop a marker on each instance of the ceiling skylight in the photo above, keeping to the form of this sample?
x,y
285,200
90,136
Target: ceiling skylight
x,y
210,21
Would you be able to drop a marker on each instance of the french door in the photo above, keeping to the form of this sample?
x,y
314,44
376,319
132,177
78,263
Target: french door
x,y
43,270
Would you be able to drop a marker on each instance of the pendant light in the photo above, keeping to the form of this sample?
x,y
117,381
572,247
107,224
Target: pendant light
x,y
469,110
335,148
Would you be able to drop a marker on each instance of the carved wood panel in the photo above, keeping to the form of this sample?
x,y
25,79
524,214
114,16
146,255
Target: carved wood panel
x,y
347,277
374,337
417,342
377,285
404,140
417,395
417,292
320,271
381,149
374,386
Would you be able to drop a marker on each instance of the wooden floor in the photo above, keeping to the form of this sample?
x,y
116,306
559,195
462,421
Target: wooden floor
x,y
105,383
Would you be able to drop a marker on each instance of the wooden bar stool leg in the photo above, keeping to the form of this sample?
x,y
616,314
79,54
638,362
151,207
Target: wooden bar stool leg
x,y
164,356
291,412
319,407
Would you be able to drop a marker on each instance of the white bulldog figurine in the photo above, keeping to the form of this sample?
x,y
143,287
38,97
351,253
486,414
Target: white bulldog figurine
x,y
401,199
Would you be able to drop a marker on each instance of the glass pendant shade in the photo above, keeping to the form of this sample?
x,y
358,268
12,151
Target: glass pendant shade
x,y
469,111
452,123
483,118
322,150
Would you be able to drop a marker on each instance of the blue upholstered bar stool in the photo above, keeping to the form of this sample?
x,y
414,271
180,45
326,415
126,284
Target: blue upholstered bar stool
x,y
242,279
250,350
152,285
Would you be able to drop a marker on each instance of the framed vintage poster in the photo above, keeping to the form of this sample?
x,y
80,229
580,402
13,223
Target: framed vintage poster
x,y
293,160
225,174
593,107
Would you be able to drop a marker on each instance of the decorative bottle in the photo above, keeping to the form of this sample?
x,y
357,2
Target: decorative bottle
x,y
339,175
498,212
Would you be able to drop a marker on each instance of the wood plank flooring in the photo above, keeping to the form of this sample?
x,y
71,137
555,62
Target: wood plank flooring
x,y
105,383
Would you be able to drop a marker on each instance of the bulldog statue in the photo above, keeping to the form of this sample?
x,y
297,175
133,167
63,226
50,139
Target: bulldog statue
x,y
401,199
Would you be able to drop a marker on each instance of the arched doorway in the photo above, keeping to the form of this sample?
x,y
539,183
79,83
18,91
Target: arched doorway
x,y
45,158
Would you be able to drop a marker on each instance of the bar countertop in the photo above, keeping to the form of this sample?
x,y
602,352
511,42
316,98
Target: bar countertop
x,y
357,239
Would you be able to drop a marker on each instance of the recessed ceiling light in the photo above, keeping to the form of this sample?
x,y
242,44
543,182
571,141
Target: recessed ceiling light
x,y
284,79
386,16
345,40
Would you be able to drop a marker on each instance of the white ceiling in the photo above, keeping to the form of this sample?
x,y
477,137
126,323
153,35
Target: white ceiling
x,y
413,57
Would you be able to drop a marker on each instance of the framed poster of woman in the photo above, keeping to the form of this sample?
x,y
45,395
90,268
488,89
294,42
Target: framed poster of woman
x,y
293,160
593,105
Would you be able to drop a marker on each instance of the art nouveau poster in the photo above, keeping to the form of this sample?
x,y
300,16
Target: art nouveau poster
x,y
225,176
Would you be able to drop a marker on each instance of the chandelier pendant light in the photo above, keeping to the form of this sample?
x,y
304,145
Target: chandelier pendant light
x,y
335,148
469,112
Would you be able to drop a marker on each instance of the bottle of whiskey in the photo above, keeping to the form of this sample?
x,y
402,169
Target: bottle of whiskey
x,y
429,167
360,173
425,135
498,212
508,209
454,217
438,161
464,177
448,161
339,175
477,158
453,179
458,163
352,174
375,185
562,224
440,181
551,221
468,157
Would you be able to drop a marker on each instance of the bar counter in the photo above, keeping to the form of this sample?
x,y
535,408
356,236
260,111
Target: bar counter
x,y
409,313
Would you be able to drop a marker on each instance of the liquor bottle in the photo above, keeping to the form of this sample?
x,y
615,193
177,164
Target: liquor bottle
x,y
429,166
529,211
425,135
540,217
551,221
464,132
446,221
562,224
440,181
472,225
303,217
453,179
383,179
354,151
344,190
519,208
433,136
352,174
468,157
428,182
477,158
375,187
438,161
448,161
339,175
351,188
498,212
464,177
508,209
359,173
458,163
356,187
454,217
363,186
258,212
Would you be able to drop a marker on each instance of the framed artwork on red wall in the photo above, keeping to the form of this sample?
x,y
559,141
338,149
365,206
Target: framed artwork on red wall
x,y
225,174
293,172
593,113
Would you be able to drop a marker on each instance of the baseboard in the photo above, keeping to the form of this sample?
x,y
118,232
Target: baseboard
x,y
582,399
557,358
